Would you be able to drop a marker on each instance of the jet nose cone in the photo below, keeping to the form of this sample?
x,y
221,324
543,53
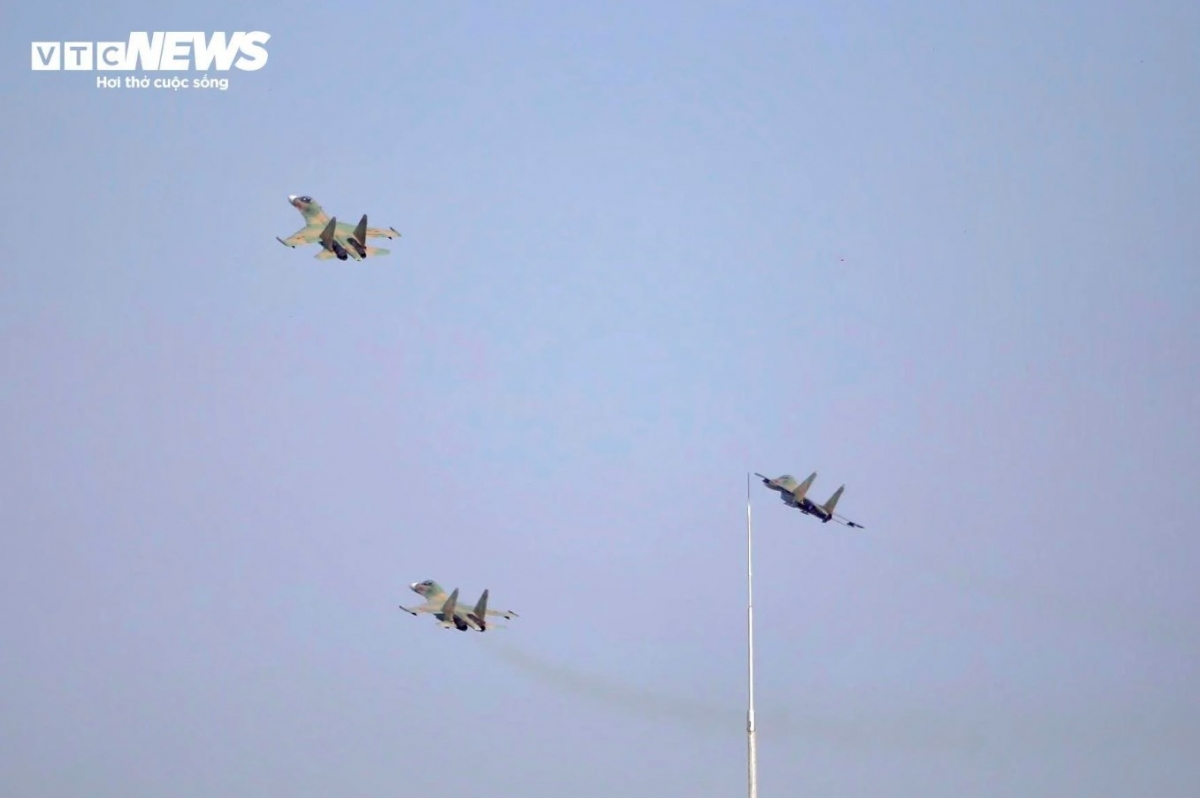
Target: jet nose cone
x,y
291,197
412,586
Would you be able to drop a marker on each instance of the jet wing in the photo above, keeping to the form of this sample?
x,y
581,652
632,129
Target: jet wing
x,y
502,613
307,235
379,232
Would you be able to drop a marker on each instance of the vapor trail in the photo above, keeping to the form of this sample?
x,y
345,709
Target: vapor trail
x,y
640,701
867,730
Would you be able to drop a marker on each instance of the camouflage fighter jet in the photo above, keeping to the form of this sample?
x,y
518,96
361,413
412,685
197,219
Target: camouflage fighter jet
x,y
337,239
793,495
446,610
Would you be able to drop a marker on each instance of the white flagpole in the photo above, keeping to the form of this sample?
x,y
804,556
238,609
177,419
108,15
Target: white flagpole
x,y
752,763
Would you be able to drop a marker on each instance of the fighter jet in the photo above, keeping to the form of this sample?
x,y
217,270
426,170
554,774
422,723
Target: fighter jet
x,y
337,239
446,610
793,495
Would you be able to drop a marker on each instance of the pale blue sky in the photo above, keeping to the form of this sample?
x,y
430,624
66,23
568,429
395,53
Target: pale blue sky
x,y
944,256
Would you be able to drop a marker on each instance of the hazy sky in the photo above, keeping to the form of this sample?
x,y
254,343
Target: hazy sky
x,y
946,256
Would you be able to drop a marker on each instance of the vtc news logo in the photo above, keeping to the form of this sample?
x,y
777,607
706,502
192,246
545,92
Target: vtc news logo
x,y
156,51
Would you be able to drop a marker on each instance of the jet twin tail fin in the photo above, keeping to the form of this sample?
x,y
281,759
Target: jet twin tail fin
x,y
832,516
833,500
803,487
327,233
479,616
359,241
360,232
448,610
